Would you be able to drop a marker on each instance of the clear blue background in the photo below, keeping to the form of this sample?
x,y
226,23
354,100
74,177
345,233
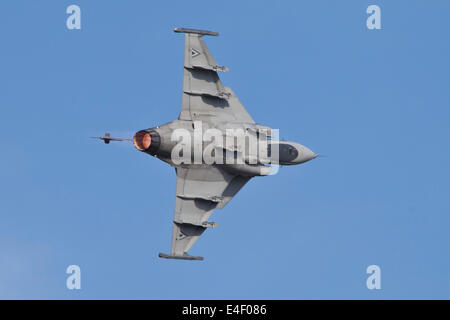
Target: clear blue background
x,y
376,103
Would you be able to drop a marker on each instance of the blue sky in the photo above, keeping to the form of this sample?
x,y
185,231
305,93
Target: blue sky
x,y
375,102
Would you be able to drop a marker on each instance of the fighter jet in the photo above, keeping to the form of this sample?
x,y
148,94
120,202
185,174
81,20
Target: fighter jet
x,y
210,146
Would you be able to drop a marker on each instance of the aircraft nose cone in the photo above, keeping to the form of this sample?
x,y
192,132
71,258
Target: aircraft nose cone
x,y
306,154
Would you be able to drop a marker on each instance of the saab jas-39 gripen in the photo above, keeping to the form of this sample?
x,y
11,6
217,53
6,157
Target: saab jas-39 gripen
x,y
215,146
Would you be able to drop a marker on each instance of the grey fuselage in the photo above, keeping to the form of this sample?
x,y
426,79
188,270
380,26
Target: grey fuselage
x,y
183,142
